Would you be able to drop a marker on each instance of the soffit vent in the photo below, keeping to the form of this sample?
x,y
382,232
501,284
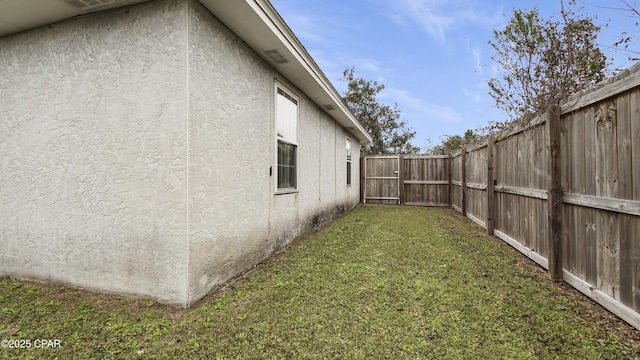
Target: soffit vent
x,y
276,57
328,107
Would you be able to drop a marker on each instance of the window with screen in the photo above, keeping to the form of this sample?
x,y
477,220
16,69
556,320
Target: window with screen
x,y
348,161
287,139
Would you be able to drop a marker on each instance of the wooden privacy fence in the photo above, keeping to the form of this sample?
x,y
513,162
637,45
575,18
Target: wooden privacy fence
x,y
406,179
565,191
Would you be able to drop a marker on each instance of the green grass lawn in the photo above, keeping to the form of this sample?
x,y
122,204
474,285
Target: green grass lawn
x,y
382,282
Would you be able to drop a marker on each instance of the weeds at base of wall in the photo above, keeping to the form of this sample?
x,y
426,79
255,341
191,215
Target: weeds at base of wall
x,y
316,223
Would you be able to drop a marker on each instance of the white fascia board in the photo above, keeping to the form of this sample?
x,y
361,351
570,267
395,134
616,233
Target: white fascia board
x,y
295,47
262,28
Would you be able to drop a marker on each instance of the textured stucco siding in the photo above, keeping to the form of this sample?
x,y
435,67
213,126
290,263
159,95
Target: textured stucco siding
x,y
229,128
236,220
93,152
137,147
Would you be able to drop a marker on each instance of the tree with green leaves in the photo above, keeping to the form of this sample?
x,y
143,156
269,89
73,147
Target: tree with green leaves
x,y
544,60
390,134
451,143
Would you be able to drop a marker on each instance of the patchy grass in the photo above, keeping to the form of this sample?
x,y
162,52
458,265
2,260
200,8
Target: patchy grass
x,y
383,282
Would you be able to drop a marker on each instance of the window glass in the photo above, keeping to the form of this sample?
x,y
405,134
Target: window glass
x,y
286,166
348,161
287,139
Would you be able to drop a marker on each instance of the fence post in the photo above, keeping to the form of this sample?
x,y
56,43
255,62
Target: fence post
x,y
491,145
554,201
401,180
450,179
362,183
464,181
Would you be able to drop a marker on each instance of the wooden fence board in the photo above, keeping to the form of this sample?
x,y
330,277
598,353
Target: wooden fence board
x,y
515,200
456,181
541,238
576,228
591,264
606,150
519,180
507,180
569,165
564,155
490,201
528,230
589,134
530,181
578,261
634,104
608,248
500,213
633,247
498,172
463,176
536,172
578,155
626,268
445,193
568,236
625,171
540,154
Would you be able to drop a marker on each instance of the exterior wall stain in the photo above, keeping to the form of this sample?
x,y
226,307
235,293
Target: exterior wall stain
x,y
93,165
96,117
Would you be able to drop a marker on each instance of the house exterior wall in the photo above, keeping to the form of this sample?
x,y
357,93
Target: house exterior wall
x,y
93,152
137,151
236,220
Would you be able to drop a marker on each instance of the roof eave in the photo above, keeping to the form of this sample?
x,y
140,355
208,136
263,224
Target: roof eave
x,y
267,31
254,21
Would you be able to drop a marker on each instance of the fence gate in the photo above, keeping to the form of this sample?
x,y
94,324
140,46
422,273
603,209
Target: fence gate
x,y
381,180
425,180
407,179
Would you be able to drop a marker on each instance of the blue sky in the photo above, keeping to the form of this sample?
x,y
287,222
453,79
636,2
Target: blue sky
x,y
431,55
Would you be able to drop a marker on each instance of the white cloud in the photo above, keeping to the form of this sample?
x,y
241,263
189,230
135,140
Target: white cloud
x,y
487,18
427,13
438,17
429,111
367,64
475,97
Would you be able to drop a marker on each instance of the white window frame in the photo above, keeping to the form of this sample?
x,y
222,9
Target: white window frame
x,y
289,137
349,169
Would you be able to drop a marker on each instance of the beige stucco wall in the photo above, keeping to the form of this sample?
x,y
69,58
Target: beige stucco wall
x,y
136,152
94,151
236,219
